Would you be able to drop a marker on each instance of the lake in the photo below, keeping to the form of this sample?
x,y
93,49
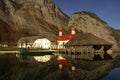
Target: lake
x,y
113,75
13,69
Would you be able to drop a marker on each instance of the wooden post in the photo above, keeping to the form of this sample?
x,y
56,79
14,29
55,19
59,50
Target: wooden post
x,y
65,50
74,52
69,51
82,47
102,52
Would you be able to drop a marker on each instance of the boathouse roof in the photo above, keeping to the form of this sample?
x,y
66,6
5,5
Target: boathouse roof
x,y
86,39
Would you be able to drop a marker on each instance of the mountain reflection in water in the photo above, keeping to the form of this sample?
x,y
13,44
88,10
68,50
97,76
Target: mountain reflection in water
x,y
11,68
113,75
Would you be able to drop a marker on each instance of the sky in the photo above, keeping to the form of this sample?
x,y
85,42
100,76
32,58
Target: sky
x,y
107,10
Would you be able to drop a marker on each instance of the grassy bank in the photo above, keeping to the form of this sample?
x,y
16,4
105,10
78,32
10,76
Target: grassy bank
x,y
8,48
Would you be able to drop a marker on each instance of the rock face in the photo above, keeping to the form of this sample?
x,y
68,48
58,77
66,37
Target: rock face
x,y
32,17
90,23
42,17
7,35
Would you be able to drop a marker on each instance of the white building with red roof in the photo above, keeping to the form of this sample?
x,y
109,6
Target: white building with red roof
x,y
63,39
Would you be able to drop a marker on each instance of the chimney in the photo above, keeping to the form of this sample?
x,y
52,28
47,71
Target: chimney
x,y
73,70
60,68
60,31
72,30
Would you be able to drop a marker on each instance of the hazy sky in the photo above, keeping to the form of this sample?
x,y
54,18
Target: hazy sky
x,y
107,10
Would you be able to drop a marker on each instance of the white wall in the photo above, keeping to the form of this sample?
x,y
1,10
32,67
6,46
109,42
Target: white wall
x,y
24,45
42,43
61,44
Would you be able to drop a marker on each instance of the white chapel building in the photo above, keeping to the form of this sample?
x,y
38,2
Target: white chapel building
x,y
34,42
63,39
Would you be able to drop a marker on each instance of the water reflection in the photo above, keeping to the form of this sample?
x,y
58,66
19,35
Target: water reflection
x,y
92,70
13,69
113,75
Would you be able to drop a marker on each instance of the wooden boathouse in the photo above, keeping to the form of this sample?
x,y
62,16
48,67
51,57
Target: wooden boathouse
x,y
86,46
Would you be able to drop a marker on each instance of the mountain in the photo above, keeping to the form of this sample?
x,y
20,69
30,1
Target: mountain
x,y
7,35
42,17
32,17
91,23
116,34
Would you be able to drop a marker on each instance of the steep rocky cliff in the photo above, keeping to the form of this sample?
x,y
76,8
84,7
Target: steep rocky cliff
x,y
7,35
32,17
91,23
116,34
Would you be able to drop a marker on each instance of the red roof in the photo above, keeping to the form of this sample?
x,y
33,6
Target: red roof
x,y
65,37
64,62
73,28
60,28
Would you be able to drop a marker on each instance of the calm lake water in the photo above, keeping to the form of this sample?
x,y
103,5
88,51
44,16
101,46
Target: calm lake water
x,y
113,75
11,68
